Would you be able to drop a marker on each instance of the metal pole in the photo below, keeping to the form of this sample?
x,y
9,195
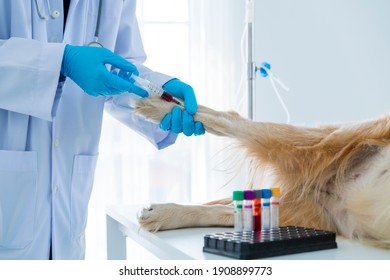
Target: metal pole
x,y
251,73
250,64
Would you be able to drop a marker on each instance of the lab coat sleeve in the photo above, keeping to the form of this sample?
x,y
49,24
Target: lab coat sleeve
x,y
29,76
129,45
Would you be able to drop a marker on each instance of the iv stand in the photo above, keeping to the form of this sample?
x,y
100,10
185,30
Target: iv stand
x,y
251,66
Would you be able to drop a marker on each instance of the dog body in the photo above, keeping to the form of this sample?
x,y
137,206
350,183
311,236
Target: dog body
x,y
331,177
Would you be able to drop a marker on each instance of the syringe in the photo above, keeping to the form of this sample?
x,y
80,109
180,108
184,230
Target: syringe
x,y
153,89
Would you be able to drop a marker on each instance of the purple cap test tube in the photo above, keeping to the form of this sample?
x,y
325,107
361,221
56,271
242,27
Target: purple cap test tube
x,y
248,210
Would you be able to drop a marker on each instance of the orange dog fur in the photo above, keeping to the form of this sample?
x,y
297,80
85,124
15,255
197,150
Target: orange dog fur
x,y
333,177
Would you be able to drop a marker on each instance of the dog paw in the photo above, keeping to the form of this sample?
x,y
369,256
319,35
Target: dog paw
x,y
160,217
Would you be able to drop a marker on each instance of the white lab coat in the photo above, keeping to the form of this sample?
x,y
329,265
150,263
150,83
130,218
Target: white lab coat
x,y
49,130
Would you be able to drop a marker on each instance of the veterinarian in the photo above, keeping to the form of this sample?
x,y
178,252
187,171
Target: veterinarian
x,y
54,87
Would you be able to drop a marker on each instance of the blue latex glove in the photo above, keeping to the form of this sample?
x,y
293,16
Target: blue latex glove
x,y
183,91
86,66
178,120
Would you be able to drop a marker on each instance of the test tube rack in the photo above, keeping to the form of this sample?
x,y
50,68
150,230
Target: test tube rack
x,y
269,243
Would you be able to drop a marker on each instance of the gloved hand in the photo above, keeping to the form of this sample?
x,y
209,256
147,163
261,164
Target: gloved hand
x,y
178,120
86,66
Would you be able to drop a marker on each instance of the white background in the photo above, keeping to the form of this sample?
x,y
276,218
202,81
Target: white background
x,y
333,54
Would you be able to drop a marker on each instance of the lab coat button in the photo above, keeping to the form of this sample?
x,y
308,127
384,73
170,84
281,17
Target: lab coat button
x,y
55,189
55,14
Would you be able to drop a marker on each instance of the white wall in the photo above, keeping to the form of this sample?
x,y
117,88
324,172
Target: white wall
x,y
333,54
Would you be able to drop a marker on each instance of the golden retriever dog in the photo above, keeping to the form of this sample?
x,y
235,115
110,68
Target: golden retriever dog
x,y
334,177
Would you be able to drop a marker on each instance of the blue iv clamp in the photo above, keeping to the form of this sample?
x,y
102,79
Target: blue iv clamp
x,y
263,72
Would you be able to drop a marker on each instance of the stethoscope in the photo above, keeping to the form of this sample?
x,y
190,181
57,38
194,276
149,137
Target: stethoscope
x,y
54,14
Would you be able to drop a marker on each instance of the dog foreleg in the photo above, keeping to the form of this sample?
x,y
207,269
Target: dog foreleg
x,y
172,216
278,145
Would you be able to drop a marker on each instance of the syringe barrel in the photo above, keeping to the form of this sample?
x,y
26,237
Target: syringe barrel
x,y
155,89
140,82
147,85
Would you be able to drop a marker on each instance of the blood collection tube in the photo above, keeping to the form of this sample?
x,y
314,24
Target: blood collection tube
x,y
257,210
238,197
248,210
275,207
265,209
